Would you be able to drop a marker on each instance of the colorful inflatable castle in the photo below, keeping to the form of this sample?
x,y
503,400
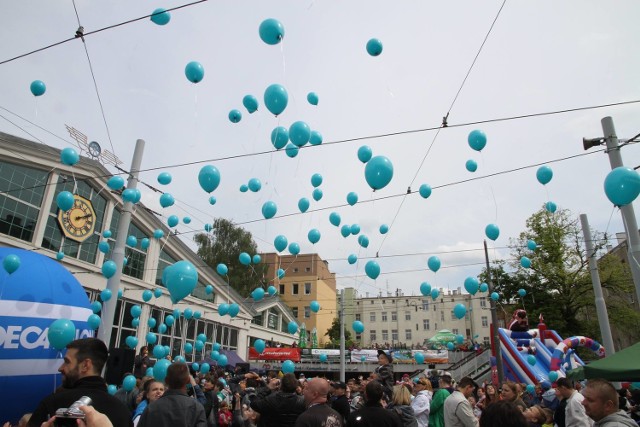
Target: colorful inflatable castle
x,y
531,356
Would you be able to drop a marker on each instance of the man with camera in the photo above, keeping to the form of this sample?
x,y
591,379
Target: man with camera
x,y
81,368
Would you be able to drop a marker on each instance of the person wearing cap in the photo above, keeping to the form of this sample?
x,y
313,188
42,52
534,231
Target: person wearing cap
x,y
340,403
384,373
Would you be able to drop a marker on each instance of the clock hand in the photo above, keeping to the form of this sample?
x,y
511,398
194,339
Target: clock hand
x,y
83,217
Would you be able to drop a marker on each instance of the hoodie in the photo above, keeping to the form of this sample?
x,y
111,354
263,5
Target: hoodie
x,y
617,419
406,415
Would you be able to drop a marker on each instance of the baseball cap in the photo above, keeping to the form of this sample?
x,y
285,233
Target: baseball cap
x,y
385,354
339,384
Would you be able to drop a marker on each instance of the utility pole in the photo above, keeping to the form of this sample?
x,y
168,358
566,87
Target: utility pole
x,y
494,320
113,284
601,306
342,349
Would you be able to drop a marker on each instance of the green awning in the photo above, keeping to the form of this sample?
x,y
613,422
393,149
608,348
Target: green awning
x,y
622,366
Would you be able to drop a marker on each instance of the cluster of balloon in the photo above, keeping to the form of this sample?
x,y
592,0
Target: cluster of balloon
x,y
425,289
425,191
622,186
372,269
434,263
276,99
358,326
471,285
160,16
38,88
378,172
194,71
69,156
492,231
460,310
374,47
209,178
180,279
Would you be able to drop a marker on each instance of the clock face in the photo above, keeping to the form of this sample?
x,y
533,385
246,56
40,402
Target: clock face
x,y
78,223
94,149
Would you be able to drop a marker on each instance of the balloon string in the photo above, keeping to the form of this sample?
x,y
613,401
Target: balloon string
x,y
35,100
284,64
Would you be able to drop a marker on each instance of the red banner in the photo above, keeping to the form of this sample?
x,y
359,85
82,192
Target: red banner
x,y
275,353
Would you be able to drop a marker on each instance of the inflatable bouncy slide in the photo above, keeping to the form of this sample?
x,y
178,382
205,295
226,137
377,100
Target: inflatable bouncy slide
x,y
532,356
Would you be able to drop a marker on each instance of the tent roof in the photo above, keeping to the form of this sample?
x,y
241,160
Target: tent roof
x,y
621,366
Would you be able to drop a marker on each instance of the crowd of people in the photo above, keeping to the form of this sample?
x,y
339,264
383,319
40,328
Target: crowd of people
x,y
247,399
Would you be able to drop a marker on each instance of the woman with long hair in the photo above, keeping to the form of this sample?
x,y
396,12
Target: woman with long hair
x,y
152,391
490,396
401,405
422,402
511,392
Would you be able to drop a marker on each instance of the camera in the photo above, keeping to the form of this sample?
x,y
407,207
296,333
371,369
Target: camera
x,y
66,417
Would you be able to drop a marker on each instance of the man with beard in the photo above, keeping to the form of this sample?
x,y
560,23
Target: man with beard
x,y
80,371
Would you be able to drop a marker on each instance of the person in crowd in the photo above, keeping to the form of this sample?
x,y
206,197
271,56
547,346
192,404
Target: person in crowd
x,y
281,406
489,396
339,402
357,395
502,413
519,321
92,418
602,406
141,362
512,393
421,403
559,415
436,410
623,395
128,397
535,416
152,390
80,369
211,389
548,417
384,373
317,412
477,412
457,409
575,415
224,415
373,414
401,405
175,408
24,420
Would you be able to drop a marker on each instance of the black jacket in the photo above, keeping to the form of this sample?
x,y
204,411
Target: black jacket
x,y
278,409
341,405
94,387
174,409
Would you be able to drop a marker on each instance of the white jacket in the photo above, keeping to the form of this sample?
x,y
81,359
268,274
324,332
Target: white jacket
x,y
575,416
421,405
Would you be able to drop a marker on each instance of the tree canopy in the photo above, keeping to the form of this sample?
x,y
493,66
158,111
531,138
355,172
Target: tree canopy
x,y
224,244
334,335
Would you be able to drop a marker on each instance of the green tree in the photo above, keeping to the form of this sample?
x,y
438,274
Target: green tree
x,y
224,245
334,335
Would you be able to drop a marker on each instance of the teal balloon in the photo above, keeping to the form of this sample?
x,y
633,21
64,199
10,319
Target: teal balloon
x,y
205,368
106,234
151,338
115,182
194,71
374,47
105,295
209,178
471,285
152,322
93,321
364,153
544,174
60,256
208,289
135,322
180,280
312,98
38,88
195,366
250,102
522,293
291,150
315,138
157,292
425,289
477,140
257,294
459,339
317,194
450,346
471,165
176,313
11,263
69,156
531,359
525,262
135,311
197,314
169,320
372,269
334,219
269,209
147,295
109,268
132,241
223,309
65,200
208,228
280,273
111,389
271,290
131,195
235,116
484,287
96,307
316,180
299,133
288,367
212,200
495,296
144,243
61,332
314,236
622,186
459,311
384,229
303,204
363,241
292,327
419,358
173,220
355,229
279,137
271,31
314,306
255,185
435,293
276,99
352,198
234,309
164,178
187,313
352,259
358,327
259,345
160,369
492,231
425,191
244,258
323,358
280,243
345,230
378,172
294,248
160,16
553,376
158,234
434,263
551,207
531,245
186,220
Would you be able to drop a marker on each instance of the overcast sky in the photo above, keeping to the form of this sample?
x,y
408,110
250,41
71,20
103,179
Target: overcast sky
x,y
540,57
